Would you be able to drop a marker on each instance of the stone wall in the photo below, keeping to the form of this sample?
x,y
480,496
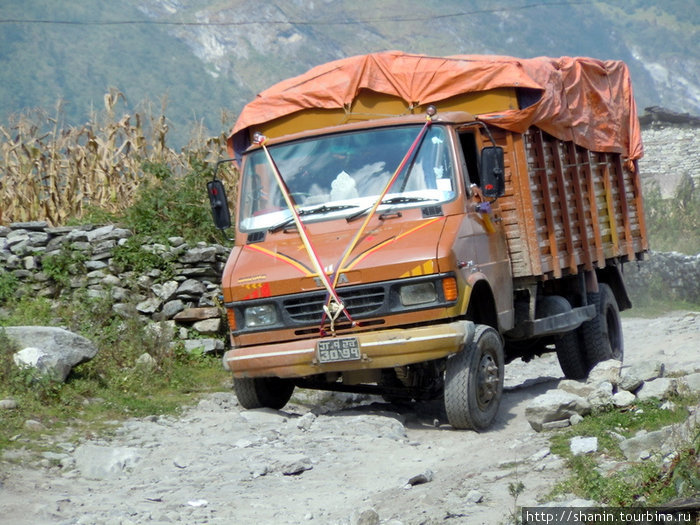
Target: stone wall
x,y
184,294
670,152
187,297
673,275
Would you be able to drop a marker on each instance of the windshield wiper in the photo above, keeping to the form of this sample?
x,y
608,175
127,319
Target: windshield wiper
x,y
403,199
311,211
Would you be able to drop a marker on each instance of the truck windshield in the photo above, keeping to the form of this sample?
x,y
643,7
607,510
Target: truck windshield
x,y
340,175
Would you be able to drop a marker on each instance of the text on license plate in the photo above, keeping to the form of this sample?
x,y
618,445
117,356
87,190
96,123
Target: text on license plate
x,y
341,349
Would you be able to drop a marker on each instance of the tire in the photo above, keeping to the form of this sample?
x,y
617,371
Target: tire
x,y
601,337
474,381
571,358
263,392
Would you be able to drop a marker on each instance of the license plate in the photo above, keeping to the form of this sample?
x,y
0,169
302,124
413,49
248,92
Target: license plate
x,y
341,349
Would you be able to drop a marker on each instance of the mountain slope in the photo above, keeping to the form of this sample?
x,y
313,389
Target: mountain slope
x,y
209,55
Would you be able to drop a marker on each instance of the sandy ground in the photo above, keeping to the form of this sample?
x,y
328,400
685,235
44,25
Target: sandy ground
x,y
323,459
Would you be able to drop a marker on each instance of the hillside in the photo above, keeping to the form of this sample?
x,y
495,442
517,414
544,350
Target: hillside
x,y
205,56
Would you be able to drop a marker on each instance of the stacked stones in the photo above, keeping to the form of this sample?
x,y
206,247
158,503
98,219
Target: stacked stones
x,y
609,384
189,296
670,152
676,272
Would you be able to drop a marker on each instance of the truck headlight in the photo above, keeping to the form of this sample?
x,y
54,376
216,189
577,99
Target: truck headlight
x,y
261,315
420,293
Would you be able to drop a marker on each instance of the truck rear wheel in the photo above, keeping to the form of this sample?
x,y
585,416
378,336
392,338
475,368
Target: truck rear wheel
x,y
263,392
571,358
474,381
601,337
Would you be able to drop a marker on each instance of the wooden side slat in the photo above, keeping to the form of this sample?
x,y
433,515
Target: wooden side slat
x,y
593,208
522,181
578,197
624,208
563,204
541,172
610,206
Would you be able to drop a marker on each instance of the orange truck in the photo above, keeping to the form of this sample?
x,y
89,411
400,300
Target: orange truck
x,y
407,225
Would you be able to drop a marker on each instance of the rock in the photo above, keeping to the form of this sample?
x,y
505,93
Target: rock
x,y
8,404
149,306
540,455
629,381
305,421
602,396
99,234
50,350
199,255
668,405
579,388
368,517
633,377
30,225
295,465
473,497
205,345
172,308
208,326
659,388
605,371
165,291
555,405
191,287
583,445
100,462
690,383
197,314
423,477
33,425
553,425
575,419
146,361
643,443
623,398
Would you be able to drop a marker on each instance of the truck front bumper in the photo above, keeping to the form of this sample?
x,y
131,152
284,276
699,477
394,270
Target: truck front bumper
x,y
379,349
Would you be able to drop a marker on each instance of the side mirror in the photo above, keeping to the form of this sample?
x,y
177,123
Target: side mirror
x,y
219,204
493,183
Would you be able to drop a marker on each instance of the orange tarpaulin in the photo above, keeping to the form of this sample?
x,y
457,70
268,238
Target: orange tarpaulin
x,y
585,100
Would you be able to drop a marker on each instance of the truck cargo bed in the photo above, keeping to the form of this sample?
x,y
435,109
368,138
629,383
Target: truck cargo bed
x,y
567,208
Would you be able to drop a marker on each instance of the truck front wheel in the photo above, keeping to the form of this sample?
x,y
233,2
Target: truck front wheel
x,y
263,392
474,381
602,336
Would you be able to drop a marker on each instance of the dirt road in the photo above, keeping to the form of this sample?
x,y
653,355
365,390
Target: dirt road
x,y
324,459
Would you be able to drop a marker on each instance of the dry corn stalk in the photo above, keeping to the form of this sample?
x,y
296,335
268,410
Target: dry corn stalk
x,y
55,175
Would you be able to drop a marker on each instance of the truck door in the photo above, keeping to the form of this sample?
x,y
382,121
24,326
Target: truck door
x,y
482,239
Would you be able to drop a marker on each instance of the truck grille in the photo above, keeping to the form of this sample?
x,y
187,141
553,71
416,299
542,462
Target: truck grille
x,y
359,302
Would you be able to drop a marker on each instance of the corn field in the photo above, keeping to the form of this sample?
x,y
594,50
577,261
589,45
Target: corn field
x,y
54,173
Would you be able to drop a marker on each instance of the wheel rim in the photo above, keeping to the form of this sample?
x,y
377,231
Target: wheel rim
x,y
488,380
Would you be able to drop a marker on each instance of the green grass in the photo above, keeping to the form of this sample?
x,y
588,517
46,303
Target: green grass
x,y
648,482
110,387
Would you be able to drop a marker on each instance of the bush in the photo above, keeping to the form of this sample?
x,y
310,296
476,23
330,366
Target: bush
x,y
174,206
8,286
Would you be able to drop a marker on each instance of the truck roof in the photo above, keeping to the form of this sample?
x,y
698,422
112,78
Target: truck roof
x,y
585,100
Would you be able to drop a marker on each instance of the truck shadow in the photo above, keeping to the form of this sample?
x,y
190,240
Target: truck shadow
x,y
427,415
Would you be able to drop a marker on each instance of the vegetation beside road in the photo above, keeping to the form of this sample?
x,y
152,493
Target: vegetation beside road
x,y
650,482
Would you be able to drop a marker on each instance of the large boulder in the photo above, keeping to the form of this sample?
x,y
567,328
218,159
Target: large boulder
x,y
555,405
52,351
